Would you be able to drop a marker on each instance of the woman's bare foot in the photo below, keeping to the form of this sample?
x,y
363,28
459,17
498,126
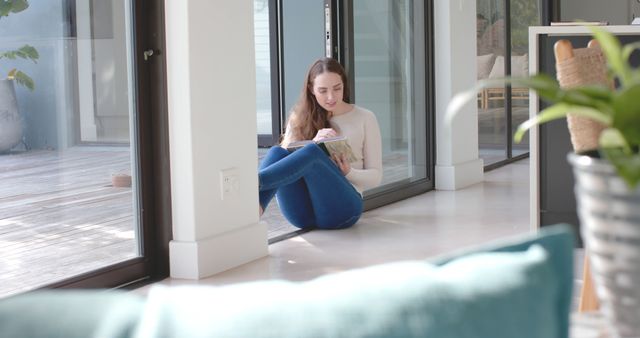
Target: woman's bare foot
x,y
261,210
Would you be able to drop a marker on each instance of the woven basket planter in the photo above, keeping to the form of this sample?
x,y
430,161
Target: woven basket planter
x,y
609,215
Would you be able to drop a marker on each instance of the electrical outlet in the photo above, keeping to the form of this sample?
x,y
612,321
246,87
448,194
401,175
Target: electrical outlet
x,y
229,183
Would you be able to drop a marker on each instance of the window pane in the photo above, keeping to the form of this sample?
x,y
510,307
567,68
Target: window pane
x,y
492,122
524,13
263,66
68,196
389,80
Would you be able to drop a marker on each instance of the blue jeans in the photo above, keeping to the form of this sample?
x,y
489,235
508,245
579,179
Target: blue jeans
x,y
311,190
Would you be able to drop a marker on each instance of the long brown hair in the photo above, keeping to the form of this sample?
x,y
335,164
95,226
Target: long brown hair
x,y
308,116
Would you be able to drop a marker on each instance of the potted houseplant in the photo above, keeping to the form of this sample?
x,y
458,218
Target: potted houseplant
x,y
10,119
607,178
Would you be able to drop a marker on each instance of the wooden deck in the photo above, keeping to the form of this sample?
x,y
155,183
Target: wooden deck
x,y
60,216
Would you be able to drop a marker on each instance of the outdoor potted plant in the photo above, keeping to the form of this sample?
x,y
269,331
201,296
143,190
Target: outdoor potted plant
x,y
607,178
10,119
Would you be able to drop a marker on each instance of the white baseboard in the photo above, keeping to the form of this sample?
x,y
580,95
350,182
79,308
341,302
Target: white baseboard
x,y
209,256
458,176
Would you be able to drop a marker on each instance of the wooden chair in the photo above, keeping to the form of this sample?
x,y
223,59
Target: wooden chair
x,y
580,67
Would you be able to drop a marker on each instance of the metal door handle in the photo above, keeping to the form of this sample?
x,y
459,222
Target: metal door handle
x,y
147,53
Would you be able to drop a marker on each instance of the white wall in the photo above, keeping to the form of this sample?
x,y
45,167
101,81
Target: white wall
x,y
212,117
457,162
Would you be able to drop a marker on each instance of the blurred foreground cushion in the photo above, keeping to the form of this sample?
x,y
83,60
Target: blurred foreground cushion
x,y
517,289
521,289
70,314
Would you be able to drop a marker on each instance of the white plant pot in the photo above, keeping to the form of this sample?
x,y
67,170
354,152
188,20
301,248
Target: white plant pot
x,y
609,213
10,119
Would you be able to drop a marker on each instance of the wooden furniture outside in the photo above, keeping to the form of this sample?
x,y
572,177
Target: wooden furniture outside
x,y
497,94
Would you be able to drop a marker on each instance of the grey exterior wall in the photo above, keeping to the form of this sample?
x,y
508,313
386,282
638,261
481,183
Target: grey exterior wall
x,y
303,30
616,12
44,26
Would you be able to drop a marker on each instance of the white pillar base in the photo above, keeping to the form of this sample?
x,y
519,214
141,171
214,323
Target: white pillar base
x,y
458,176
206,257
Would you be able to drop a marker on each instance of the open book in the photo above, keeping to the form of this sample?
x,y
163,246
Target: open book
x,y
334,145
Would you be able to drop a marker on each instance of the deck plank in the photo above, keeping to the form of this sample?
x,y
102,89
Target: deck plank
x,y
60,216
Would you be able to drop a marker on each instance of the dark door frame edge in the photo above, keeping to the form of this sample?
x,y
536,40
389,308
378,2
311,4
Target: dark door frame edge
x,y
155,194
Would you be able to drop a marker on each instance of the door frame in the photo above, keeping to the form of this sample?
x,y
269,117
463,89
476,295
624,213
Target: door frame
x,y
345,55
153,165
343,39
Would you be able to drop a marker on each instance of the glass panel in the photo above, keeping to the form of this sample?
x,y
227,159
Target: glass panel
x,y
302,25
490,59
524,13
263,65
68,178
389,80
303,43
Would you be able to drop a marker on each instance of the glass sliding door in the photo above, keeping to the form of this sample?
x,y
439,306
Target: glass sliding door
x,y
492,115
302,44
502,29
388,65
266,49
72,191
524,13
386,48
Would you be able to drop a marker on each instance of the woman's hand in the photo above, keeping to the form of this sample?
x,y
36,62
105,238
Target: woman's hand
x,y
342,163
325,133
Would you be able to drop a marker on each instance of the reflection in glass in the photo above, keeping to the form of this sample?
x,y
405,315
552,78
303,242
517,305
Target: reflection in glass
x,y
388,67
263,66
524,13
491,36
490,62
68,196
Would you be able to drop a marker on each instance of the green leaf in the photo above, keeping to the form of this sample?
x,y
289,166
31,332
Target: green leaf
x,y
24,79
627,165
626,105
542,83
613,51
613,138
5,8
551,113
28,52
12,6
628,49
19,5
596,97
557,111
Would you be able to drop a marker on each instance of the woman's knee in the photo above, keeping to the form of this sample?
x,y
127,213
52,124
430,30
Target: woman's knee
x,y
273,155
277,151
312,149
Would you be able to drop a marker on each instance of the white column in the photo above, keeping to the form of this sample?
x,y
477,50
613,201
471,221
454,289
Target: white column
x,y
457,164
212,126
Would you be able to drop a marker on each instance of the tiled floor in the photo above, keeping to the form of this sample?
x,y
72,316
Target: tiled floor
x,y
420,227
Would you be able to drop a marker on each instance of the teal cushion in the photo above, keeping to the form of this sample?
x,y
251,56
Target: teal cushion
x,y
70,314
518,290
